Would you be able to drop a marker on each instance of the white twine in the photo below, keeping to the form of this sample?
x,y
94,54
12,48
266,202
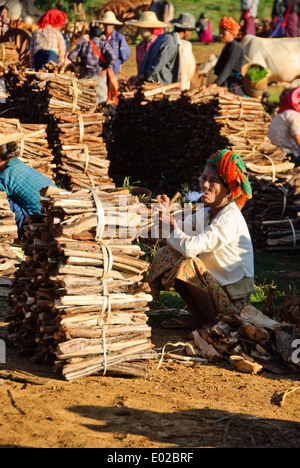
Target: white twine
x,y
107,267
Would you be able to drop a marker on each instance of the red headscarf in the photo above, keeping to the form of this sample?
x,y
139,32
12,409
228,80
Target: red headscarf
x,y
54,18
228,24
290,101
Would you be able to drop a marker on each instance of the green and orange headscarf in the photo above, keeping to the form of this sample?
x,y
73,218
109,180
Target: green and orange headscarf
x,y
234,173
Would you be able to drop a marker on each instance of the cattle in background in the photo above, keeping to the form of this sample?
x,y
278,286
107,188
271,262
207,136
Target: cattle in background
x,y
164,10
280,56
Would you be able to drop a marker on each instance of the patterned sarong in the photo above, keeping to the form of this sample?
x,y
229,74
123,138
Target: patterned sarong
x,y
169,265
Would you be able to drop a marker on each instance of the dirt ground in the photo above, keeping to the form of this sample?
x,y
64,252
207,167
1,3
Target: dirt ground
x,y
180,405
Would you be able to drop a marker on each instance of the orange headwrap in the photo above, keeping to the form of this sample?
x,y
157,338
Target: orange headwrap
x,y
230,25
54,18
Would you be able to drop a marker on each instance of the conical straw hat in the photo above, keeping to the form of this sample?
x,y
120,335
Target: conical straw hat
x,y
8,138
148,19
109,18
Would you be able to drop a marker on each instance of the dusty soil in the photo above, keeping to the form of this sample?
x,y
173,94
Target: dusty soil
x,y
181,405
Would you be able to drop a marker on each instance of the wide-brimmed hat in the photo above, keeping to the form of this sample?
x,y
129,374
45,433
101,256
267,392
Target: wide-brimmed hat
x,y
185,21
10,137
148,19
109,18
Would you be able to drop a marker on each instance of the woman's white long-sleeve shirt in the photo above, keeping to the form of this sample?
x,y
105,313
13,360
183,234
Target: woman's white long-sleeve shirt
x,y
224,244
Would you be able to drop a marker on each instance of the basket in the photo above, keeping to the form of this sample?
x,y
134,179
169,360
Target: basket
x,y
253,88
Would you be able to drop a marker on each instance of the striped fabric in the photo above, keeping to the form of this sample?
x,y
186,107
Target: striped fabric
x,y
48,39
22,185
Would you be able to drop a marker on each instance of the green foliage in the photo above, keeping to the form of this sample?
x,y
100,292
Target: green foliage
x,y
256,73
215,9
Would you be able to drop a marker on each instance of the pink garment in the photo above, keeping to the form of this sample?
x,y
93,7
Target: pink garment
x,y
282,129
144,46
205,35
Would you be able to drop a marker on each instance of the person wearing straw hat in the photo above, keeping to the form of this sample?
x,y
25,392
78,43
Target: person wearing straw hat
x,y
20,182
161,62
115,38
149,27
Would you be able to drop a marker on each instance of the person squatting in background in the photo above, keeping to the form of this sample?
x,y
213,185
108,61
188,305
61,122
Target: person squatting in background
x,y
47,43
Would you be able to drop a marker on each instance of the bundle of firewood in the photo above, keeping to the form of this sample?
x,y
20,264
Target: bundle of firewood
x,y
36,95
8,54
81,151
186,128
33,148
81,300
8,254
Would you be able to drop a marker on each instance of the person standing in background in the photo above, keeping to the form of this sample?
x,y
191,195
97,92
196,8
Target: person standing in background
x,y
249,14
4,19
204,29
115,38
285,20
149,28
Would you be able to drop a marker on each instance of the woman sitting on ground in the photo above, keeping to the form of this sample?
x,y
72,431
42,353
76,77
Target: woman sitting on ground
x,y
212,269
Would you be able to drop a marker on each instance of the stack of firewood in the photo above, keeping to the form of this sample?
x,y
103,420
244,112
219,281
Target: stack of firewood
x,y
8,254
33,96
186,128
83,160
8,54
33,148
80,299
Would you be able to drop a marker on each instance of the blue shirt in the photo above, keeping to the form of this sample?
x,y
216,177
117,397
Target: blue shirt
x,y
22,185
120,47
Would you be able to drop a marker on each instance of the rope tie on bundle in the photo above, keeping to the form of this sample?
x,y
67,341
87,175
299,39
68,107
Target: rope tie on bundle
x,y
107,267
81,127
74,92
3,52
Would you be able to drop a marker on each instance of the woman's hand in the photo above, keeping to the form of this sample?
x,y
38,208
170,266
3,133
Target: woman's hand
x,y
165,217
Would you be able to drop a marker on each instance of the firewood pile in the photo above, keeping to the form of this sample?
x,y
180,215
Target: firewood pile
x,y
33,148
36,95
8,255
8,54
80,299
251,341
172,134
82,153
